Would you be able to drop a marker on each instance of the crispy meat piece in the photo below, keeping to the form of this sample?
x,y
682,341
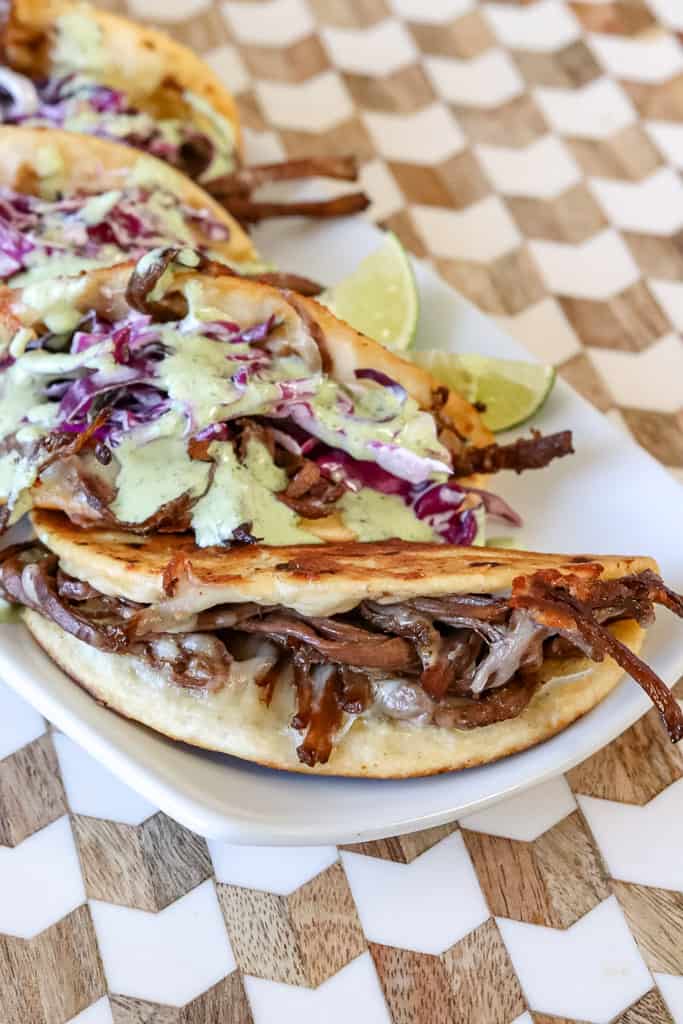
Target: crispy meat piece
x,y
551,599
251,211
533,452
319,497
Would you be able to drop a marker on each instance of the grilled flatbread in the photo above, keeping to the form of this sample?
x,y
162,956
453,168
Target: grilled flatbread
x,y
71,66
167,82
80,203
387,661
207,390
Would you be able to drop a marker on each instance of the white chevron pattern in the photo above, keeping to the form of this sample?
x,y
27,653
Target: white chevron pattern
x,y
668,137
632,378
274,23
482,232
546,25
314,106
98,1013
597,111
655,59
597,269
270,869
607,972
353,994
653,206
170,957
428,136
543,169
40,881
485,81
669,295
438,895
386,45
433,13
544,330
669,12
625,832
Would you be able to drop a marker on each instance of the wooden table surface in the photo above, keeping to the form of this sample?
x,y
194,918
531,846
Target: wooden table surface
x,y
533,151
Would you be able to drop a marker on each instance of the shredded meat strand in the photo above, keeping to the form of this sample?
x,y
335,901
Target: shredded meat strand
x,y
526,453
479,665
550,598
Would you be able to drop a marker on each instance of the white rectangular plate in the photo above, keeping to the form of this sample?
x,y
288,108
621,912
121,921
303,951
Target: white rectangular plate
x,y
610,497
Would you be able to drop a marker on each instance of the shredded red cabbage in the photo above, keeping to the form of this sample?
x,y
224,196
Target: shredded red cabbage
x,y
59,99
31,228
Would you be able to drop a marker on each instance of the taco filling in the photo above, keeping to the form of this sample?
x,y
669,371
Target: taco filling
x,y
179,417
44,238
461,661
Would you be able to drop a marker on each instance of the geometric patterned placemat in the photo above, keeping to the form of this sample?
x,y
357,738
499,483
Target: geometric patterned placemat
x,y
533,152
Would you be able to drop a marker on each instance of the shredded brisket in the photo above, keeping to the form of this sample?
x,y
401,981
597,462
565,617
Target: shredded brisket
x,y
533,452
459,661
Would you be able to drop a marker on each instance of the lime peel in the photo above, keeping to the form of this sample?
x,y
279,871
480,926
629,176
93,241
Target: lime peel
x,y
380,298
509,391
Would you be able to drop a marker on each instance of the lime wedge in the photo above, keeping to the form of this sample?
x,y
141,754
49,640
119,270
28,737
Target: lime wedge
x,y
380,297
511,391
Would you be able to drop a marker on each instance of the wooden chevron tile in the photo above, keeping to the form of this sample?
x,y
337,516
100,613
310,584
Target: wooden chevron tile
x,y
455,183
661,433
662,102
31,791
474,981
300,939
202,32
505,287
402,225
657,256
629,322
349,13
616,18
634,768
403,849
628,155
544,1018
651,1009
553,881
402,92
572,217
224,1003
250,112
515,123
464,38
569,68
655,916
51,978
348,137
294,63
580,373
145,866
482,978
416,986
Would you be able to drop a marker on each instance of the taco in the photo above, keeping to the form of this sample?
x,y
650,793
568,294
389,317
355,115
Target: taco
x,y
71,66
174,395
382,660
69,204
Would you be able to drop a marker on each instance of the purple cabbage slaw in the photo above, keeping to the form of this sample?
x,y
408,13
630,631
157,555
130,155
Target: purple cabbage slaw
x,y
61,98
132,398
132,226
